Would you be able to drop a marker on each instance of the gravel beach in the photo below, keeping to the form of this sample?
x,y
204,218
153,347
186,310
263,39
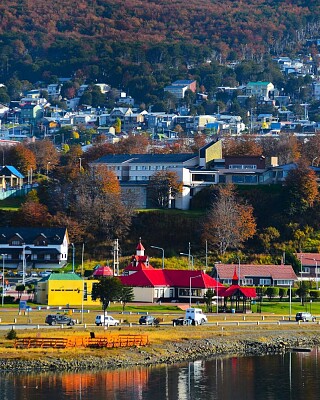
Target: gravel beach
x,y
235,342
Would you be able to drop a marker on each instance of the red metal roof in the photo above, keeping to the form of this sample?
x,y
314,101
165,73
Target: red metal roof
x,y
103,271
226,271
178,278
247,292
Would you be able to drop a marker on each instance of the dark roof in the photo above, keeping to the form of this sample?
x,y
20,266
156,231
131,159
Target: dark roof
x,y
53,235
144,158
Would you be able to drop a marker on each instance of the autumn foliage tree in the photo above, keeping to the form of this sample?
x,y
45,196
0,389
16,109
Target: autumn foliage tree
x,y
163,187
229,222
46,155
22,158
302,188
244,146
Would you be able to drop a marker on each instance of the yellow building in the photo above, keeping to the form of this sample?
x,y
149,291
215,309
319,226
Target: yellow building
x,y
65,290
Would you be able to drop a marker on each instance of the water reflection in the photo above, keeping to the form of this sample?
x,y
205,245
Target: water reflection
x,y
292,376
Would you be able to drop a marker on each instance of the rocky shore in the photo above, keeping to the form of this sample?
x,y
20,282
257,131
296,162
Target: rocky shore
x,y
167,353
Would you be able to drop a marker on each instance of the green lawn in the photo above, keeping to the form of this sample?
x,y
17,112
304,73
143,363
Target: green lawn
x,y
11,203
283,307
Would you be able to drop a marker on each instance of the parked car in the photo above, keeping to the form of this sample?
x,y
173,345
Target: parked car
x,y
44,274
53,319
305,316
147,319
107,320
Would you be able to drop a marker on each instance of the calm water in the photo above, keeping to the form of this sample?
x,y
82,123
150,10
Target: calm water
x,y
292,376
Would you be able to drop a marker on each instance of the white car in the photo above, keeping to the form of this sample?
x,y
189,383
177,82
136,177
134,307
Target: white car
x,y
107,320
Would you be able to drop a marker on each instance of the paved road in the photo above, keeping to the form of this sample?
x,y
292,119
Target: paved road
x,y
219,323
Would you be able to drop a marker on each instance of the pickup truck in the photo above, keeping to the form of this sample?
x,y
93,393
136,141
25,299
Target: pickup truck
x,y
193,316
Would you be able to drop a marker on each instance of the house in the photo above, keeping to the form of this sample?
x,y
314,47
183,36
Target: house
x,y
30,113
27,248
309,267
255,275
154,285
179,88
261,90
65,290
54,90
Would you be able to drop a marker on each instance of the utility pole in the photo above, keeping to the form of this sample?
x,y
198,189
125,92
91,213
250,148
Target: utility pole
x,y
116,257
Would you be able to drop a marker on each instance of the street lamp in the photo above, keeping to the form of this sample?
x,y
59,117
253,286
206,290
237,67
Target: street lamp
x,y
317,285
23,263
160,248
189,256
290,299
239,270
3,257
73,251
190,288
217,280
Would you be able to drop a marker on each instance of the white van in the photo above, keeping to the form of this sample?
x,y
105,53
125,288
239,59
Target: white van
x,y
106,320
196,315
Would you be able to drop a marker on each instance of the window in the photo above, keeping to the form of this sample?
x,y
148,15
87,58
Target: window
x,y
247,281
264,281
15,243
283,282
242,166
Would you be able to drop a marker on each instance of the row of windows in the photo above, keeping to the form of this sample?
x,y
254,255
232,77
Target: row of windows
x,y
37,257
242,166
262,281
244,179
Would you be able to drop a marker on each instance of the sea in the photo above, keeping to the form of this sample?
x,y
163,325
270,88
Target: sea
x,y
291,376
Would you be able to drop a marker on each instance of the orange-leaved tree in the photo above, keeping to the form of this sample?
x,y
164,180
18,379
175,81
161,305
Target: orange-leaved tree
x,y
229,222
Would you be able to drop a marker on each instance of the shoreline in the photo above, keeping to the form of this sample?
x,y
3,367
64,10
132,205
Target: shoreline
x,y
231,343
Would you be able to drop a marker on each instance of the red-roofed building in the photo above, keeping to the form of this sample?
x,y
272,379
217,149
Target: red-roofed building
x,y
309,267
255,275
240,297
151,285
170,285
138,262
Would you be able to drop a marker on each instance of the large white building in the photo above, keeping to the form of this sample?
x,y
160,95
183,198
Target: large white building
x,y
135,170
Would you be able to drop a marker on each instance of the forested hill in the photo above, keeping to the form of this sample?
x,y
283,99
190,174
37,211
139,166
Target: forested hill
x,y
39,38
254,23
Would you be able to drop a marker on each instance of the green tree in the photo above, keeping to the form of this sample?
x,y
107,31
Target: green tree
x,y
20,289
272,292
117,125
283,292
126,295
303,291
107,290
208,298
268,237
